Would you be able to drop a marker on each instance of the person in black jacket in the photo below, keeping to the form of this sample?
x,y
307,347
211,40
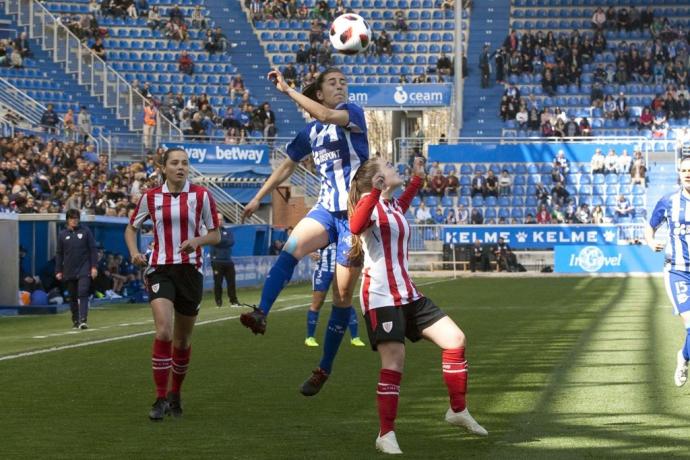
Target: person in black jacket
x,y
76,265
223,266
49,119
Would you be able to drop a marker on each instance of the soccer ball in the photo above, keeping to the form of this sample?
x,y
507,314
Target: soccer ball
x,y
350,34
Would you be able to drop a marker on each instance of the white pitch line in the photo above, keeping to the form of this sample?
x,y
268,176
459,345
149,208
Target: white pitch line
x,y
142,334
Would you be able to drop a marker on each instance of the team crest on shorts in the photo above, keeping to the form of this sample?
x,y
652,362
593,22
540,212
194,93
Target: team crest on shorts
x,y
155,288
387,326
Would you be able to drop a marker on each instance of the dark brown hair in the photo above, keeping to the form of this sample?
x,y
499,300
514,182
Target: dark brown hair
x,y
311,89
362,183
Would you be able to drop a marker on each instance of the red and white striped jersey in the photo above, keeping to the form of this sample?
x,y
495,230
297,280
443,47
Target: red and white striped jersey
x,y
385,241
176,219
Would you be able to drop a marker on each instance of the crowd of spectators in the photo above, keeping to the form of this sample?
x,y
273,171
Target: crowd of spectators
x,y
660,60
554,203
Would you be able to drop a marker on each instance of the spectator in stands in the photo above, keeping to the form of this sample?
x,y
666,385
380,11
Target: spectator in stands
x,y
682,108
610,162
548,83
16,60
621,107
543,215
476,217
599,19
623,207
268,120
597,162
94,7
84,123
99,49
132,10
478,185
142,7
49,119
68,124
623,163
198,19
609,107
383,44
559,194
21,43
557,215
154,20
451,217
479,258
646,119
597,215
571,128
462,214
443,65
491,185
237,87
452,183
659,124
522,117
290,75
176,13
438,183
185,63
149,128
423,216
504,183
400,20
583,215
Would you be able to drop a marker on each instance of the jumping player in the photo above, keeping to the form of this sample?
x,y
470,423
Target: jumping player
x,y
674,210
337,141
184,219
393,307
321,281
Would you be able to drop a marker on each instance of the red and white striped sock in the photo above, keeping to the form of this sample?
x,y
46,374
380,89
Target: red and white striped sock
x,y
160,362
387,394
455,375
180,363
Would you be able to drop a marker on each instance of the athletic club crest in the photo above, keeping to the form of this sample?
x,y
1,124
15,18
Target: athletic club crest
x,y
79,235
155,288
387,326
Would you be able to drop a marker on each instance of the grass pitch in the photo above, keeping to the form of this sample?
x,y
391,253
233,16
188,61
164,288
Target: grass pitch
x,y
559,368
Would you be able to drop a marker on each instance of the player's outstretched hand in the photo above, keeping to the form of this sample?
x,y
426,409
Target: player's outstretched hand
x,y
418,167
250,209
378,181
276,77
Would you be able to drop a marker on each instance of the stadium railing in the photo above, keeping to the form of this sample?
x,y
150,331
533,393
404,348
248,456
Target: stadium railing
x,y
226,204
31,111
101,79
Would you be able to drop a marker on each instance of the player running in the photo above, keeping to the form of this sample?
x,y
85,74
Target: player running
x,y
674,210
337,141
393,307
181,213
321,281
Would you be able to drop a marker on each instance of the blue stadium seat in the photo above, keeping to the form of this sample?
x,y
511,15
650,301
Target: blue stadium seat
x,y
477,202
490,213
517,213
431,201
518,191
491,201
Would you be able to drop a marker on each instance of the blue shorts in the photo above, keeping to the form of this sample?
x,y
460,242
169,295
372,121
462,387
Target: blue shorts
x,y
678,289
338,228
321,280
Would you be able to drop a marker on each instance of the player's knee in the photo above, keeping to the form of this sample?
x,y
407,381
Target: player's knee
x,y
342,296
164,335
291,246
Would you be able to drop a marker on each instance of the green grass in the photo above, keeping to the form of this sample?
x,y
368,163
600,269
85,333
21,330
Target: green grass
x,y
559,368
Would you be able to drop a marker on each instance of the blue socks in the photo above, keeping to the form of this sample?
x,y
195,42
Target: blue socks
x,y
312,319
686,349
279,275
334,335
353,323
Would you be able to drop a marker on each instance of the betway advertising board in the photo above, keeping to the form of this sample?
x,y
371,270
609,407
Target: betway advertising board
x,y
224,154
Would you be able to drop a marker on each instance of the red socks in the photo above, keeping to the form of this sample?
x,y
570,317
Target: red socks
x,y
455,376
180,363
161,361
387,394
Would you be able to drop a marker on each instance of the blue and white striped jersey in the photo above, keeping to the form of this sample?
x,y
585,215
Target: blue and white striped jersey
x,y
337,154
674,209
327,261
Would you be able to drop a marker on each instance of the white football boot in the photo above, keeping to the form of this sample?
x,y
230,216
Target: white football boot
x,y
464,420
388,444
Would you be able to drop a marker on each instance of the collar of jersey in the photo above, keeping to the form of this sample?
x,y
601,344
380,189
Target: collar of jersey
x,y
185,189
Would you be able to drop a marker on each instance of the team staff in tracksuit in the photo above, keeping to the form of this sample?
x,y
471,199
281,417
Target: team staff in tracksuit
x,y
223,266
76,264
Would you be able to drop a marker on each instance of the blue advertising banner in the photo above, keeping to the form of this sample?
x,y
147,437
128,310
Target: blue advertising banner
x,y
229,157
252,270
532,236
419,95
607,259
519,153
